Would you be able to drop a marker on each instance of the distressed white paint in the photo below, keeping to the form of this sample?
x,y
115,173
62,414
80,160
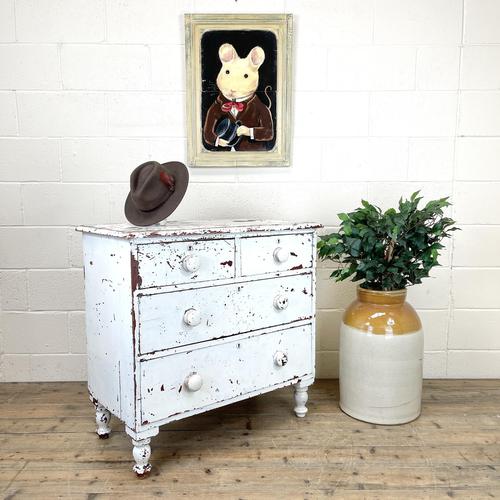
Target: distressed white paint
x,y
300,394
141,454
226,369
187,261
247,306
110,354
283,253
102,420
199,227
167,339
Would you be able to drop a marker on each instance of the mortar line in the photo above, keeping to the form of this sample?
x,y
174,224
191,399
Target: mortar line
x,y
453,184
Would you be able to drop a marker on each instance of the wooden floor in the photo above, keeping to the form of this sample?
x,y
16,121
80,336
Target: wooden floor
x,y
255,449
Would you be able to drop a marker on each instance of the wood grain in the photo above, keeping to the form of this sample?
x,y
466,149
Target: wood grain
x,y
256,449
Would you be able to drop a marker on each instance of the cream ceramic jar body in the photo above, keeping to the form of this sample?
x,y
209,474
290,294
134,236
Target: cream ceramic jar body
x,y
381,352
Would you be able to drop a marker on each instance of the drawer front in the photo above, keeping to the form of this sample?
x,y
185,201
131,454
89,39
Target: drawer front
x,y
162,264
186,381
186,317
269,254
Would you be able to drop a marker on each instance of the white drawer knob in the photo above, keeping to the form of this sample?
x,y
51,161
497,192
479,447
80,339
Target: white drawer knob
x,y
193,382
191,263
192,317
280,358
281,255
281,301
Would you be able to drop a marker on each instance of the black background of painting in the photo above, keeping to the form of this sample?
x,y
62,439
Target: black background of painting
x,y
243,41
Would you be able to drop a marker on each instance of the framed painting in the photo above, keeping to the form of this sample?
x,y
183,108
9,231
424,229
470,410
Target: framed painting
x,y
239,89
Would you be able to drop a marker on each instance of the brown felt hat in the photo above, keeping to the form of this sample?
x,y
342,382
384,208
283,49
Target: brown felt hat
x,y
155,191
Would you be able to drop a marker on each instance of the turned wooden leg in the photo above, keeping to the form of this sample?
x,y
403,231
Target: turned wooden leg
x,y
142,452
300,399
102,419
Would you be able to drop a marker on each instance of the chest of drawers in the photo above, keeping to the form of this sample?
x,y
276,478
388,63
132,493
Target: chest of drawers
x,y
185,317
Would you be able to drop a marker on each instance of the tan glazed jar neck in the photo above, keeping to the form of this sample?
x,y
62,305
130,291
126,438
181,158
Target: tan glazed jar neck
x,y
382,313
381,296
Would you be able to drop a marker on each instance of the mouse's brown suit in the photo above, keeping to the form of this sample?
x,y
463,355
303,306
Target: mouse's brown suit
x,y
255,114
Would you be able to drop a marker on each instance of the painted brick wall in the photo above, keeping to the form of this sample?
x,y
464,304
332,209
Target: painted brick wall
x,y
403,95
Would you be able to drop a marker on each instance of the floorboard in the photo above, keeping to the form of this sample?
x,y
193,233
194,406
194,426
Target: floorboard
x,y
255,449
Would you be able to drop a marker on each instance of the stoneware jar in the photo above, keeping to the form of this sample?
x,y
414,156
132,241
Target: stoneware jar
x,y
381,351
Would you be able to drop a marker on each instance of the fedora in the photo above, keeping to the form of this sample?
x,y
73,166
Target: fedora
x,y
155,191
226,129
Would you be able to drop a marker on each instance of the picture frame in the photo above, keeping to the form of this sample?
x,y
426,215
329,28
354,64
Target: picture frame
x,y
239,89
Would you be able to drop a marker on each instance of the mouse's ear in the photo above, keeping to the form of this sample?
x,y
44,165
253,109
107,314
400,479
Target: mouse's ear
x,y
227,53
256,56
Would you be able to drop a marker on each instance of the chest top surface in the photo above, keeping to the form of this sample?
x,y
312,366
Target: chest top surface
x,y
199,227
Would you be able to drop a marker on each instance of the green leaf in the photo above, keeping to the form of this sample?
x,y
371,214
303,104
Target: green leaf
x,y
413,236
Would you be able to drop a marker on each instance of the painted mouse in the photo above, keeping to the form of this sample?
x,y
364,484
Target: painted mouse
x,y
237,81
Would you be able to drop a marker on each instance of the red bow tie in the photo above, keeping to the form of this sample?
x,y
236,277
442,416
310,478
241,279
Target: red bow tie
x,y
228,106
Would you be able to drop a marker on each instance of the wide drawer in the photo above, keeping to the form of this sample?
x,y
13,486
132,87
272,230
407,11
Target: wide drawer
x,y
162,264
195,379
186,317
269,254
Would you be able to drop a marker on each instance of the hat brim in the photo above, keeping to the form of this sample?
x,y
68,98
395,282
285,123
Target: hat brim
x,y
141,218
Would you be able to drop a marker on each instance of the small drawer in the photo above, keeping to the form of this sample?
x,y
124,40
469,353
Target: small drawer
x,y
269,254
195,379
162,264
177,318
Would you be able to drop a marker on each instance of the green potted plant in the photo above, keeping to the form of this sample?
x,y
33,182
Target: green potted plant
x,y
381,338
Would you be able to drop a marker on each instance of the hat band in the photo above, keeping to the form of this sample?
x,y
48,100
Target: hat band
x,y
168,180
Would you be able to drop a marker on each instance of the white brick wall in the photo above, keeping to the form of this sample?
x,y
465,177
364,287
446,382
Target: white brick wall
x,y
403,95
479,113
44,21
21,67
437,68
103,67
481,22
38,159
8,112
7,21
371,68
477,159
58,114
426,22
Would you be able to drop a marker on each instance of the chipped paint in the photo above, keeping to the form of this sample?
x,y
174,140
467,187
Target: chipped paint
x,y
269,254
249,304
230,359
134,270
195,261
196,228
234,286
